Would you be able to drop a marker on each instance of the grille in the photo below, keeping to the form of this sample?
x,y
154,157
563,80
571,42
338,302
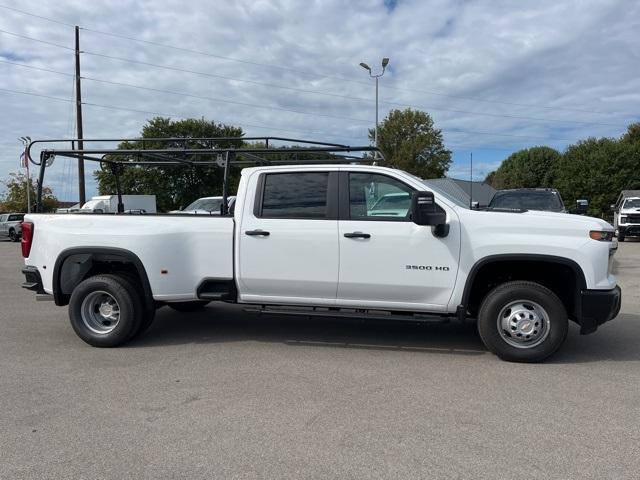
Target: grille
x,y
633,218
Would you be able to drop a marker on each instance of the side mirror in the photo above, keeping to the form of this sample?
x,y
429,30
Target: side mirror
x,y
424,211
475,205
613,207
582,206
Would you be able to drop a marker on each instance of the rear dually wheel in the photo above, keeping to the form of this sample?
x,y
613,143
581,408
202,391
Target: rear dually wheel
x,y
105,310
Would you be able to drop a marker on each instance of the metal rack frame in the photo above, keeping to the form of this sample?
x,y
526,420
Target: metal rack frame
x,y
177,153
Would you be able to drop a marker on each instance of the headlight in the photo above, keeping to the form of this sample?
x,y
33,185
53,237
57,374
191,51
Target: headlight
x,y
623,220
601,235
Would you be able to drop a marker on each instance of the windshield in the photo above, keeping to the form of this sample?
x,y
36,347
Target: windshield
x,y
632,203
528,200
395,201
208,204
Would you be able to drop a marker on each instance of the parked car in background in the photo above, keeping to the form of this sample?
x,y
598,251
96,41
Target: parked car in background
x,y
626,214
206,206
109,204
11,225
545,199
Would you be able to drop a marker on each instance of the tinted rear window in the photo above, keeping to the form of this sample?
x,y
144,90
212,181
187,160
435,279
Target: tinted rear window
x,y
295,195
15,218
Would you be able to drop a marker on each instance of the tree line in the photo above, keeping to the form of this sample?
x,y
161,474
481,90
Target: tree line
x,y
596,169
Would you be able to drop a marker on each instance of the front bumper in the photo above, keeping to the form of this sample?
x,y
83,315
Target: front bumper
x,y
598,307
629,230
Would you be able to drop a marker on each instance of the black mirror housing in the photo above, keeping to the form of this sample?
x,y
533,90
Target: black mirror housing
x,y
424,210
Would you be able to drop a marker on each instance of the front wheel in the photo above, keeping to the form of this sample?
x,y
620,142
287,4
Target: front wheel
x,y
522,321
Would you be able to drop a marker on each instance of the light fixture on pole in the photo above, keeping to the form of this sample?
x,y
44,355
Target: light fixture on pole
x,y
385,62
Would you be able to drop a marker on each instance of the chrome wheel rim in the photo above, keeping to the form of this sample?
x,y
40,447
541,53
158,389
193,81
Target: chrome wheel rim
x,y
523,324
100,312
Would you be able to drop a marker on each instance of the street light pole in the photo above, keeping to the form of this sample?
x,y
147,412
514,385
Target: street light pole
x,y
385,62
25,162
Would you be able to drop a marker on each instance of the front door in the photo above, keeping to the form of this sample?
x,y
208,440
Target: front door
x,y
288,239
386,260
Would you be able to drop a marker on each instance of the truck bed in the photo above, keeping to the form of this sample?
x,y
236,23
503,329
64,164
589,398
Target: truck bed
x,y
177,252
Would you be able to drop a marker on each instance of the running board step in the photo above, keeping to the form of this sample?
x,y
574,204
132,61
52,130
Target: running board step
x,y
347,313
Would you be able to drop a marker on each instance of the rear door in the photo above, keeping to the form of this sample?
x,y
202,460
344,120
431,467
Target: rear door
x,y
288,239
386,260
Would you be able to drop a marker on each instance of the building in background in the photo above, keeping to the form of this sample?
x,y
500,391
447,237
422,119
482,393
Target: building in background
x,y
464,190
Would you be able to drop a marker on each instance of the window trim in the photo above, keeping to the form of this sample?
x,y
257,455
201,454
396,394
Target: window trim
x,y
332,195
345,208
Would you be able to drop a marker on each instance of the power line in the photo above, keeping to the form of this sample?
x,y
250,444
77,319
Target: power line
x,y
267,127
333,77
347,97
163,114
303,72
233,102
36,40
422,107
37,16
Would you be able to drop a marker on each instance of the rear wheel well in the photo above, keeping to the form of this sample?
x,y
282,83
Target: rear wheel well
x,y
561,278
74,267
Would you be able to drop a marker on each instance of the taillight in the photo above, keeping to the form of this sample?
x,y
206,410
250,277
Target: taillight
x,y
27,238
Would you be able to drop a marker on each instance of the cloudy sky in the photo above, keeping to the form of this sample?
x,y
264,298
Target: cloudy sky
x,y
495,75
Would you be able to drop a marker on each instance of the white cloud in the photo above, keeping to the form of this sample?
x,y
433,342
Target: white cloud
x,y
565,60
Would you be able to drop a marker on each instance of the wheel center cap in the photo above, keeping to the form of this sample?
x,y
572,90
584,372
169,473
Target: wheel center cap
x,y
106,310
526,326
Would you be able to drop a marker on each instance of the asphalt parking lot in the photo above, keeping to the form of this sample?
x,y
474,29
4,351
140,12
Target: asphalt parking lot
x,y
224,394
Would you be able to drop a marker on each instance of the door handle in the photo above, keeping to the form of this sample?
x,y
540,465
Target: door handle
x,y
255,233
357,235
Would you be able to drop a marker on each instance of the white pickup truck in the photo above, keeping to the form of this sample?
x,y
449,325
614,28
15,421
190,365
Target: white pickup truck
x,y
304,240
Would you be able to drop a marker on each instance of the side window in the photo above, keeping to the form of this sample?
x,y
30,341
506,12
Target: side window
x,y
15,218
374,196
295,195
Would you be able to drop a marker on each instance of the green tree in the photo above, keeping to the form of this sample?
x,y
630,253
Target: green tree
x,y
15,199
409,141
175,186
596,170
528,168
632,134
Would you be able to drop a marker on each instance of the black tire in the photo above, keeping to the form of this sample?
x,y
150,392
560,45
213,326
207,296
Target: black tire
x,y
149,313
13,236
524,294
186,307
621,237
129,303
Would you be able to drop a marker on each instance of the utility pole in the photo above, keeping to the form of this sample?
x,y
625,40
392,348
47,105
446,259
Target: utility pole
x,y
81,192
